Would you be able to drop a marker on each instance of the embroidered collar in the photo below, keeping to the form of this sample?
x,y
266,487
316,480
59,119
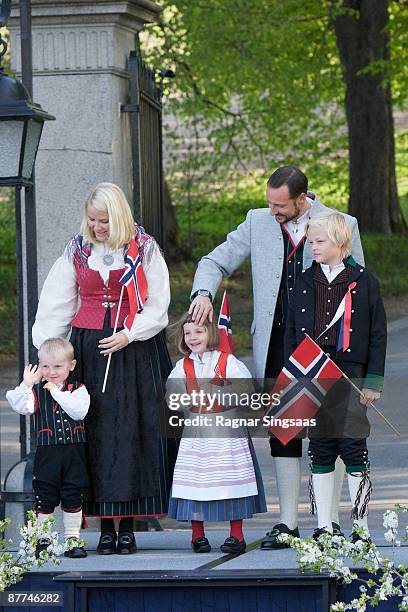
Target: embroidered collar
x,y
206,358
81,248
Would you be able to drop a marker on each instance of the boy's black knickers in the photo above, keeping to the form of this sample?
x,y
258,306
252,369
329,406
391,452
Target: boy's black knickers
x,y
323,453
60,475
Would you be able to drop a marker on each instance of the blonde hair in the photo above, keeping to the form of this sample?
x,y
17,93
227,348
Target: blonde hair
x,y
213,335
337,229
109,198
56,347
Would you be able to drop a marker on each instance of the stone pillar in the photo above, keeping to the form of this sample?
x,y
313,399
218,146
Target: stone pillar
x,y
80,52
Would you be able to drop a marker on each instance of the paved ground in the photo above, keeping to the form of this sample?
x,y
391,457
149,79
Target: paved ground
x,y
170,550
388,454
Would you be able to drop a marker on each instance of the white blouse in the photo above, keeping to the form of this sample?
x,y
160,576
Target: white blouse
x,y
75,404
59,300
205,366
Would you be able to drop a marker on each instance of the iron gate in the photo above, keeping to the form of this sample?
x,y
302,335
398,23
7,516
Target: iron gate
x,y
146,133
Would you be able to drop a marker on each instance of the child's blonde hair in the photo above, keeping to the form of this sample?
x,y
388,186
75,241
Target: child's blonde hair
x,y
337,229
109,198
56,347
213,335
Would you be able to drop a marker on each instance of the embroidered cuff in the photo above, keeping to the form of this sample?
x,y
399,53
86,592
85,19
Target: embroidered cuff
x,y
373,381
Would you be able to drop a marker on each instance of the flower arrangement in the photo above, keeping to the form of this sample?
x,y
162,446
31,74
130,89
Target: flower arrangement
x,y
331,553
13,566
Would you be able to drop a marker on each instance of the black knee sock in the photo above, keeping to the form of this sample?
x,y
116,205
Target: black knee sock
x,y
126,524
107,526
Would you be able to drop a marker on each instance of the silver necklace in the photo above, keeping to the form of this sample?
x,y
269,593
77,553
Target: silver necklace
x,y
108,259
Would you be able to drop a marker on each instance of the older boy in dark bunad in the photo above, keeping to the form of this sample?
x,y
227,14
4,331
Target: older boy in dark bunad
x,y
338,303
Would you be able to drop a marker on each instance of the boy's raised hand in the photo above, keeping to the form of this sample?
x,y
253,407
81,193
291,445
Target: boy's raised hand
x,y
32,375
50,386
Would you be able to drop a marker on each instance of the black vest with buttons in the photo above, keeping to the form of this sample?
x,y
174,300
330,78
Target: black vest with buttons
x,y
53,426
291,270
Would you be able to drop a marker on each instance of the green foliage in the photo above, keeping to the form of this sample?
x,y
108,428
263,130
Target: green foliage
x,y
391,267
257,84
8,297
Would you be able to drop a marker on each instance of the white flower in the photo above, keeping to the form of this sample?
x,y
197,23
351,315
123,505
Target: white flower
x,y
283,537
338,607
390,535
390,519
359,545
357,605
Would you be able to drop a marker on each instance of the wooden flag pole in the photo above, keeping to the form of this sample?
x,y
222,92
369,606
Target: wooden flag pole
x,y
372,406
114,332
361,394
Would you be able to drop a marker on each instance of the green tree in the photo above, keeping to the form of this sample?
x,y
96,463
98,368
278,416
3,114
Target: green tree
x,y
362,34
268,82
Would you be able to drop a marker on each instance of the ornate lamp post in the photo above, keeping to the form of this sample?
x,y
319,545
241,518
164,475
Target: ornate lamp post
x,y
21,124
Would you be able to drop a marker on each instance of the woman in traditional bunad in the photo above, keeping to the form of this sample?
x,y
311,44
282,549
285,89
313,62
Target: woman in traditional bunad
x,y
118,315
216,478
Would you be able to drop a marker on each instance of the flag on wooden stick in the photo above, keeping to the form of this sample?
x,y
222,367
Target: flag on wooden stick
x,y
225,327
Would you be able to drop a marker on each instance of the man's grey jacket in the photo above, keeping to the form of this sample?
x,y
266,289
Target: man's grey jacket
x,y
260,237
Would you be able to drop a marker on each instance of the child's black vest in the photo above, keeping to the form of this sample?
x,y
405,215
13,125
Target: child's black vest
x,y
53,426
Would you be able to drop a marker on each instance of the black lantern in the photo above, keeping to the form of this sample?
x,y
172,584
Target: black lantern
x,y
21,123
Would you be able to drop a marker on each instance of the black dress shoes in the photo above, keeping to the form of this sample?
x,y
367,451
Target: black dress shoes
x,y
337,530
42,544
271,542
126,543
233,546
201,545
107,544
76,552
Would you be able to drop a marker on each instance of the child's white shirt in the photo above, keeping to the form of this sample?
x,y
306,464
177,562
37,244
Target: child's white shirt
x,y
75,404
205,367
334,272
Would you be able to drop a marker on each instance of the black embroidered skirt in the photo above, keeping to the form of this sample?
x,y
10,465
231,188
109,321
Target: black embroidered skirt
x,y
131,464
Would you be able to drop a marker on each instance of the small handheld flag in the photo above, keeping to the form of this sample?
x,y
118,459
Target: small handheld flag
x,y
134,280
302,385
225,327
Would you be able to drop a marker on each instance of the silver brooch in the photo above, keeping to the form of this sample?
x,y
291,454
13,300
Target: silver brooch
x,y
108,259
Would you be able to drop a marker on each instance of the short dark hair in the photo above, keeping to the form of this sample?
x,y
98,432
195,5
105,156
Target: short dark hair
x,y
291,176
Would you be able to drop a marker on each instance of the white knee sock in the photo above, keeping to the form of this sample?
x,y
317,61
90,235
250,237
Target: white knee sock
x,y
323,487
340,468
41,518
72,524
353,484
288,483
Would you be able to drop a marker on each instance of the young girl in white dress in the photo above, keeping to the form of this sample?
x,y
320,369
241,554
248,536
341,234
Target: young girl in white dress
x,y
215,478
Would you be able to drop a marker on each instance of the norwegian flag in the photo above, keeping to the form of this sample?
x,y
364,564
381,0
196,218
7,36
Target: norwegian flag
x,y
225,327
302,385
134,280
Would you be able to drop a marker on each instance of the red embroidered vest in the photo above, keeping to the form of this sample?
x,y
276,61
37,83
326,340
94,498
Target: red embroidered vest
x,y
96,298
219,379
